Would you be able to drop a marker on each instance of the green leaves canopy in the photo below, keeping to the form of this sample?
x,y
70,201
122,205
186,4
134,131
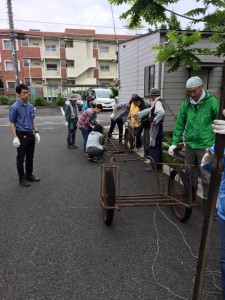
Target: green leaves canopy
x,y
180,51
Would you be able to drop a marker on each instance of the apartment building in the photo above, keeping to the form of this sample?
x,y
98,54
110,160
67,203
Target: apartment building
x,y
50,63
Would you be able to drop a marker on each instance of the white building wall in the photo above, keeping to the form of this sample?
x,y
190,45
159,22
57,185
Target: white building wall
x,y
134,56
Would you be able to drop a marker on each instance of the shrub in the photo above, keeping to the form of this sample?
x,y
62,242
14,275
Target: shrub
x,y
11,101
60,101
4,100
39,101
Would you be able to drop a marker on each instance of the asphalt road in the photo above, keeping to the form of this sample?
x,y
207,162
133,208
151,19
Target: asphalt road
x,y
55,245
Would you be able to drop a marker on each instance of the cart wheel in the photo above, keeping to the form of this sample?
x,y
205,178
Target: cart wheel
x,y
178,189
110,197
129,140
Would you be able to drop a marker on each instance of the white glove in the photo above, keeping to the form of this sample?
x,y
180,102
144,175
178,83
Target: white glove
x,y
112,116
16,142
219,125
37,137
171,149
207,158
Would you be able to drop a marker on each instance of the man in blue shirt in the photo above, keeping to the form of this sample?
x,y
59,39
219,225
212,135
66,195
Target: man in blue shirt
x,y
24,132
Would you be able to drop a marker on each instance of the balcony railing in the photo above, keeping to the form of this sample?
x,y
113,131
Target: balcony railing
x,y
52,73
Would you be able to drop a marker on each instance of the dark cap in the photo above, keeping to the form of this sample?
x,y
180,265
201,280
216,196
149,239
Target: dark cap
x,y
90,98
154,92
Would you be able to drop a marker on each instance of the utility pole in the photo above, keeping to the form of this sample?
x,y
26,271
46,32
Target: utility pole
x,y
13,43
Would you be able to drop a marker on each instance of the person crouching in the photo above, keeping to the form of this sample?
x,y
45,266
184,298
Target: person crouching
x,y
95,147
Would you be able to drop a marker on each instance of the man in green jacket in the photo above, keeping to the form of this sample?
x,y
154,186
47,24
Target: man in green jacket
x,y
194,120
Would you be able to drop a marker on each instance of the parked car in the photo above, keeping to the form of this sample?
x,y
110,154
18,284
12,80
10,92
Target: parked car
x,y
79,100
102,96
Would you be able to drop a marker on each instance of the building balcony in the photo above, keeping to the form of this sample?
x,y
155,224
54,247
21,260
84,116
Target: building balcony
x,y
50,53
52,73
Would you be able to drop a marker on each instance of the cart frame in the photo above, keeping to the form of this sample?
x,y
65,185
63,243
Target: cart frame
x,y
180,195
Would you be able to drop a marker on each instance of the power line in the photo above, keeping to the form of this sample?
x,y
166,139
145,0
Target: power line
x,y
55,23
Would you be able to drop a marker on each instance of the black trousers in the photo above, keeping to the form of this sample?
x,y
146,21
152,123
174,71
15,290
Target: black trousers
x,y
25,153
119,123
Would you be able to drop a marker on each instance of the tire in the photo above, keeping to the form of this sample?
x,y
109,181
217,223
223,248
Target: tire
x,y
178,188
129,140
110,197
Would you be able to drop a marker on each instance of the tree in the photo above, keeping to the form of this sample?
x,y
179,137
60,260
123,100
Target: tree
x,y
178,52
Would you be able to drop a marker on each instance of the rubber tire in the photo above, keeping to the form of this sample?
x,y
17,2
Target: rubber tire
x,y
181,212
110,198
129,140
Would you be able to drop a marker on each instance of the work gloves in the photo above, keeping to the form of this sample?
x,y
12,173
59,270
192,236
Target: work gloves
x,y
37,137
207,158
171,149
16,142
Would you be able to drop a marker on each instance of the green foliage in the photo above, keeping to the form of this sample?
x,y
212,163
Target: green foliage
x,y
154,13
60,101
11,101
39,101
178,52
4,100
114,91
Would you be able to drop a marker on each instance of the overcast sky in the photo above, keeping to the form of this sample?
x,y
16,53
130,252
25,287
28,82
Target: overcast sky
x,y
56,15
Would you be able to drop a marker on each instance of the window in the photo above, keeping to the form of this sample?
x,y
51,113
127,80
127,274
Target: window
x,y
51,66
9,66
11,85
95,45
26,62
25,43
104,49
28,81
104,68
6,45
63,63
50,48
149,76
62,44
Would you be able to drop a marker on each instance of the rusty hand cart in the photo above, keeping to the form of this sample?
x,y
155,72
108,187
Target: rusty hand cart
x,y
128,140
172,188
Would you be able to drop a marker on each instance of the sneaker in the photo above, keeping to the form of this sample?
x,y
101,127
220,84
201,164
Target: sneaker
x,y
139,149
72,147
96,159
24,182
85,153
33,178
147,161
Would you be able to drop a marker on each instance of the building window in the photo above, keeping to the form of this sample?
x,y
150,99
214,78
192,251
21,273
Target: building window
x,y
104,49
25,43
62,44
64,81
51,66
6,45
95,45
26,62
28,81
50,48
104,68
11,85
63,63
149,77
9,66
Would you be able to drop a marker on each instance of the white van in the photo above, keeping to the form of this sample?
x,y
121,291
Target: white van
x,y
102,96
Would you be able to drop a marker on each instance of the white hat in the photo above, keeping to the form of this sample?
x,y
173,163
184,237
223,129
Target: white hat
x,y
194,82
